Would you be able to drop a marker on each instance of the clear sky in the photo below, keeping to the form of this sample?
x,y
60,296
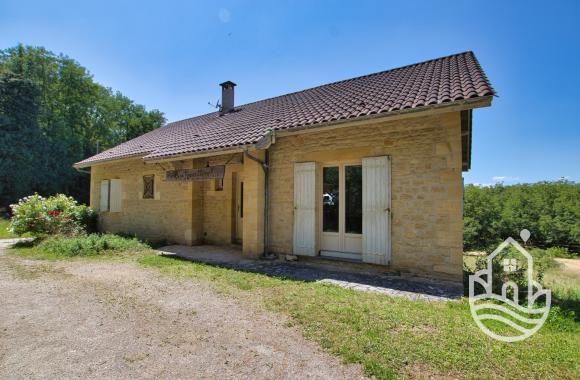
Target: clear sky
x,y
171,55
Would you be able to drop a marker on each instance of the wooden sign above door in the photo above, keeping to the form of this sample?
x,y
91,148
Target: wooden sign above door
x,y
200,174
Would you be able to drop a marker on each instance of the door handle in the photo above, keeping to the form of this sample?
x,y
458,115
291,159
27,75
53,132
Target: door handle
x,y
388,209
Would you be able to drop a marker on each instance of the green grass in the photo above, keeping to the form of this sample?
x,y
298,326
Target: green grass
x,y
4,233
390,337
93,245
565,288
394,337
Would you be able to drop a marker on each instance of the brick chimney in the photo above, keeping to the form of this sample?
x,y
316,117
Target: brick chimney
x,y
227,97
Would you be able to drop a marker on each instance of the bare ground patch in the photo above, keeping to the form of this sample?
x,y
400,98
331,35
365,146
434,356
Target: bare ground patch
x,y
107,319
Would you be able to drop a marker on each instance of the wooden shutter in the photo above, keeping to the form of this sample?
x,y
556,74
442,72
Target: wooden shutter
x,y
376,210
304,208
115,197
104,200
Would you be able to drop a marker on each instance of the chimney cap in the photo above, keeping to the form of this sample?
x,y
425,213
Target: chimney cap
x,y
227,84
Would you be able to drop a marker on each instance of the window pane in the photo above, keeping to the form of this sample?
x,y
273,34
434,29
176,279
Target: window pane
x,y
148,187
353,199
330,199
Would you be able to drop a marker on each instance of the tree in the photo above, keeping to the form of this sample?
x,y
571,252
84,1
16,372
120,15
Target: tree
x,y
550,210
21,142
74,114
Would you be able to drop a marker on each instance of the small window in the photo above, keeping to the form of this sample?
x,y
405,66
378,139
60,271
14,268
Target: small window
x,y
149,187
219,184
104,201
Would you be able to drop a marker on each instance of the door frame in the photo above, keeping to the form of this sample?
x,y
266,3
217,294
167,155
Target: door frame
x,y
341,164
238,204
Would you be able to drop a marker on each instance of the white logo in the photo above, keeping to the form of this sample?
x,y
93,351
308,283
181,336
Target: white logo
x,y
499,307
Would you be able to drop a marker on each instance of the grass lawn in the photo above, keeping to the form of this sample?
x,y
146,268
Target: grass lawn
x,y
4,233
391,337
394,337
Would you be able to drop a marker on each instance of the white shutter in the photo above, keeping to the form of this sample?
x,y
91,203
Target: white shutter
x,y
304,208
104,200
115,195
376,184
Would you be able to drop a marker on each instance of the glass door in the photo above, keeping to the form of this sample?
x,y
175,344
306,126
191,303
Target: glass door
x,y
341,234
331,208
352,208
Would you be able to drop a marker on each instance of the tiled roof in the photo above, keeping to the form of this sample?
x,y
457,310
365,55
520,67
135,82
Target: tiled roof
x,y
442,80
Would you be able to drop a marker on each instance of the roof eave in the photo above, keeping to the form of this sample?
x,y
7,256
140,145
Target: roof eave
x,y
82,164
458,105
199,154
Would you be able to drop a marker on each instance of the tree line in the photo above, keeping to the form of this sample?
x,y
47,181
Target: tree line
x,y
549,210
53,114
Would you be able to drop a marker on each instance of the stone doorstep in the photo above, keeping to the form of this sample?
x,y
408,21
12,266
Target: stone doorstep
x,y
6,243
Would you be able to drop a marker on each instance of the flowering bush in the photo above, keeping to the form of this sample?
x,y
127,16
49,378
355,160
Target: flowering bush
x,y
56,215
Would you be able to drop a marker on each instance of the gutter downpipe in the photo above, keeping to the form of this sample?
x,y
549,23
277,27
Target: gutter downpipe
x,y
266,168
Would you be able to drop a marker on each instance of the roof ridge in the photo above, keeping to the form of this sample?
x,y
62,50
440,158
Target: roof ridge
x,y
365,76
466,52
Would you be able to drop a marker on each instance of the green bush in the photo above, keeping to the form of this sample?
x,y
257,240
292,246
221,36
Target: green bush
x,y
542,261
56,215
89,245
560,252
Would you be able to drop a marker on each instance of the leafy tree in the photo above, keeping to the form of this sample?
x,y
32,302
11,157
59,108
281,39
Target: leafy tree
x,y
550,210
74,115
21,142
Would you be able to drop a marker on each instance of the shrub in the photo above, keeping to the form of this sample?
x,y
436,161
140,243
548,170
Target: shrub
x,y
541,260
54,215
89,245
561,252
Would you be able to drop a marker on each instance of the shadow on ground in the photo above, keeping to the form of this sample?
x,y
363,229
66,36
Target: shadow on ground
x,y
349,275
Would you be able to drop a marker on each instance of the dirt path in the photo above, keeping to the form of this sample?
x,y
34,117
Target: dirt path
x,y
116,320
570,265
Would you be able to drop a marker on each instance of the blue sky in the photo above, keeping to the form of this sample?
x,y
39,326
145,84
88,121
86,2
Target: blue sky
x,y
171,55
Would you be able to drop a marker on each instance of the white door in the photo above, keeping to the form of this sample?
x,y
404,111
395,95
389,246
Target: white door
x,y
376,201
341,226
304,208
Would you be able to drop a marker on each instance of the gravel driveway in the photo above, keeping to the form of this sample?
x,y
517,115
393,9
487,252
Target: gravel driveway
x,y
116,320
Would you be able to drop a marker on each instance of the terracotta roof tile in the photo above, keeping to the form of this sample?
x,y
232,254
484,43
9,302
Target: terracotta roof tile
x,y
437,81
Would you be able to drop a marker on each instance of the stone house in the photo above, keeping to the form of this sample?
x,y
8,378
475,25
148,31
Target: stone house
x,y
366,169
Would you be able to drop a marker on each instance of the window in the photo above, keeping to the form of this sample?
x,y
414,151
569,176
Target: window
x,y
219,184
110,195
330,199
104,201
149,187
353,199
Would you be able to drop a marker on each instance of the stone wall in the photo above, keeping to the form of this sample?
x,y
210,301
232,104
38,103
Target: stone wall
x,y
427,234
185,212
426,192
170,216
